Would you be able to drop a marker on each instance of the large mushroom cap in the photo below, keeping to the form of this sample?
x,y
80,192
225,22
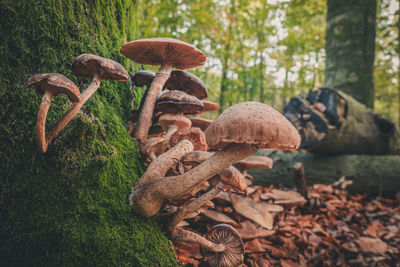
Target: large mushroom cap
x,y
143,77
188,83
86,65
253,123
233,255
160,51
56,84
178,102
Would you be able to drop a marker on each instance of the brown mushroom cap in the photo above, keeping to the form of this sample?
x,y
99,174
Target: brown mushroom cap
x,y
232,177
253,123
87,65
178,102
193,134
210,106
233,255
143,78
178,120
160,51
200,122
56,84
188,83
156,145
255,162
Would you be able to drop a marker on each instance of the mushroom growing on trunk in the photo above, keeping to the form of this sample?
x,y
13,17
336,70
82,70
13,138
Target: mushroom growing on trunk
x,y
51,84
85,65
238,132
167,52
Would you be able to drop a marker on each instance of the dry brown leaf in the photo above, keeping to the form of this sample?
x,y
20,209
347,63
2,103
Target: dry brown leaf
x,y
219,217
249,209
289,263
372,245
284,197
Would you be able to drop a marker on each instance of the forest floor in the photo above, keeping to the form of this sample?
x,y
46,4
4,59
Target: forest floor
x,y
330,227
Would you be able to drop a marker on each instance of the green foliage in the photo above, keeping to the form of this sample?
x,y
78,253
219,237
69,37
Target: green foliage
x,y
69,207
257,50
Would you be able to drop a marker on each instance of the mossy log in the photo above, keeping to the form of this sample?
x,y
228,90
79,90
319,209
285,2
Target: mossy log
x,y
333,123
374,175
69,206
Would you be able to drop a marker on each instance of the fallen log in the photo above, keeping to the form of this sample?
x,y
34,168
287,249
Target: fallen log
x,y
331,122
373,175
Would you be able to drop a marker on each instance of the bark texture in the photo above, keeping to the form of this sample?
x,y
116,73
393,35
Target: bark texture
x,y
374,175
350,48
69,206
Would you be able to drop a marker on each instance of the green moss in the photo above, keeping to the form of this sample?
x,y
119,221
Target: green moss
x,y
69,207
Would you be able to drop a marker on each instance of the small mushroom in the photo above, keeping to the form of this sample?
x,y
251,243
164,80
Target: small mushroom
x,y
178,102
188,83
51,84
172,123
233,254
153,147
193,134
238,132
255,162
200,122
167,52
85,65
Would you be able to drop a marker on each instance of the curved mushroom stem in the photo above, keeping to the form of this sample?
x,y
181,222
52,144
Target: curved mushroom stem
x,y
187,236
146,113
147,198
171,130
193,206
41,121
66,118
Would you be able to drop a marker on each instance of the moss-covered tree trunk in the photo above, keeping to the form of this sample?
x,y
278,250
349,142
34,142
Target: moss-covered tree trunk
x,y
69,207
350,48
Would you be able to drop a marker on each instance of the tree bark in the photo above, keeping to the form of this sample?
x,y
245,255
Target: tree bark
x,y
350,48
375,175
69,206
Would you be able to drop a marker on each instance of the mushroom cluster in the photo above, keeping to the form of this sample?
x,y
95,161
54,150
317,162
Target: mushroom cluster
x,y
190,162
52,84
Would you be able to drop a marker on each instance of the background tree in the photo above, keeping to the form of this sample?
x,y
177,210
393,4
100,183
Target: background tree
x,y
350,48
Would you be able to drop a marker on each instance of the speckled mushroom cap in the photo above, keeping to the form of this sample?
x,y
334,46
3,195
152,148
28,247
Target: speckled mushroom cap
x,y
234,252
160,51
188,83
86,65
143,77
56,84
253,123
210,106
255,162
178,102
178,120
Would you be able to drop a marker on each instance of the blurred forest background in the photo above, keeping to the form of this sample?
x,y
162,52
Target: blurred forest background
x,y
269,50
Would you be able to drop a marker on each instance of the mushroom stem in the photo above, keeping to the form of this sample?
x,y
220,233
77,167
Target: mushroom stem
x,y
41,121
61,123
147,198
193,206
171,130
187,236
146,113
